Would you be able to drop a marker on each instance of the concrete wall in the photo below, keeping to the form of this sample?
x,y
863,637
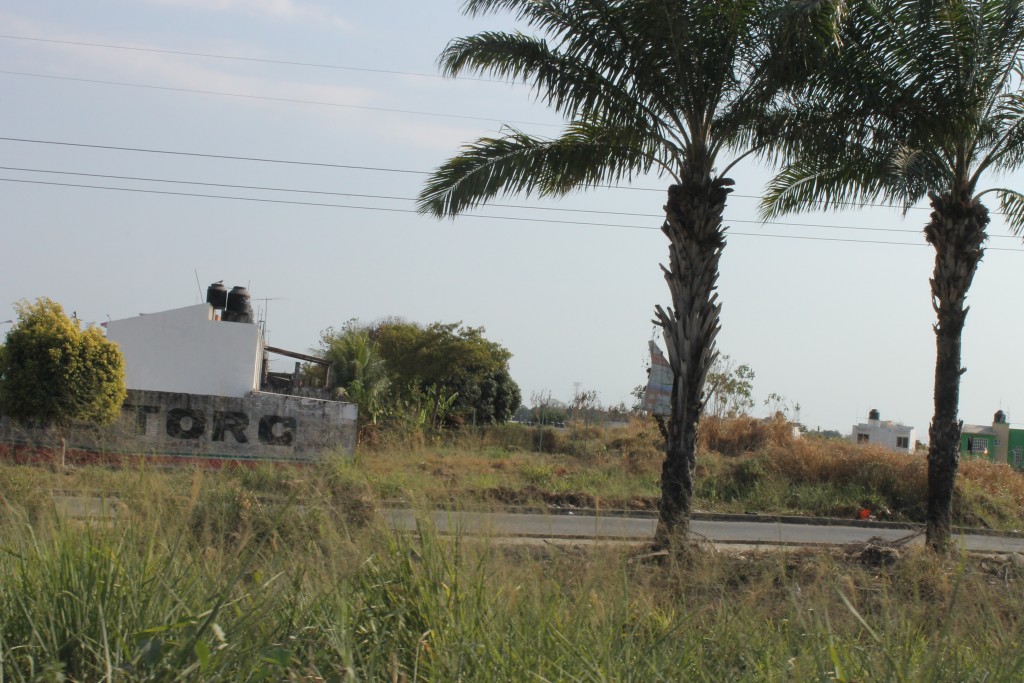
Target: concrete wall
x,y
187,351
189,427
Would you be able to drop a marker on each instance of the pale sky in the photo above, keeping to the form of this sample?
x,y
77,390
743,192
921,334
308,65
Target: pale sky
x,y
839,327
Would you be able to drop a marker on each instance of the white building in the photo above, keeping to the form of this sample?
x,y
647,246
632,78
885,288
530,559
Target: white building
x,y
893,435
189,351
200,390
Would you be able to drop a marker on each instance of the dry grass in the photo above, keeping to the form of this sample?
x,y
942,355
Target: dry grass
x,y
735,436
896,481
757,466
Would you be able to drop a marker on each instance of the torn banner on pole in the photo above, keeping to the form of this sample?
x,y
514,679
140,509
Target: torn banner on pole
x,y
658,395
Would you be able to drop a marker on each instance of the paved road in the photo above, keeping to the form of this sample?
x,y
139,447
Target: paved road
x,y
581,526
610,528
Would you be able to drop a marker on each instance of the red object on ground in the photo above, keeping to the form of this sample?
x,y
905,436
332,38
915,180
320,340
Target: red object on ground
x,y
864,513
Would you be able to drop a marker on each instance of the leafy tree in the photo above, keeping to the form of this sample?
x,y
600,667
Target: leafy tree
x,y
922,100
585,406
357,368
646,86
637,393
53,373
445,373
546,409
449,359
730,388
499,397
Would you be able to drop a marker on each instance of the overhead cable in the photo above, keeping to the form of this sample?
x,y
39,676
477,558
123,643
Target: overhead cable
x,y
238,58
367,168
484,216
264,188
268,98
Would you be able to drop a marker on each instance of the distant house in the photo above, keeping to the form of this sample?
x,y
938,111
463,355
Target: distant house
x,y
893,435
998,443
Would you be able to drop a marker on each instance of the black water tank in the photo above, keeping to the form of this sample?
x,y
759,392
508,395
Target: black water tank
x,y
239,308
217,295
874,414
1000,417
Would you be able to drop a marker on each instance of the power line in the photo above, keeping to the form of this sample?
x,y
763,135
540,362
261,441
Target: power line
x,y
361,168
412,199
401,73
267,160
237,58
859,205
485,216
225,185
204,155
268,98
319,204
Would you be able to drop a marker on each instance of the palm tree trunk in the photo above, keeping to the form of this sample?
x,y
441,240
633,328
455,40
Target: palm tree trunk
x,y
693,225
957,231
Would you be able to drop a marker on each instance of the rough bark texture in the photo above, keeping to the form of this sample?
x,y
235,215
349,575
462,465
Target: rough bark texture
x,y
693,225
957,231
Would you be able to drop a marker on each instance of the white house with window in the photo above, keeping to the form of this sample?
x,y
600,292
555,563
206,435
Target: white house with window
x,y
893,435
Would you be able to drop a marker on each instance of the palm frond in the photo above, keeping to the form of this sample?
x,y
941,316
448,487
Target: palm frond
x,y
532,11
923,84
810,24
808,184
589,153
1012,204
577,88
1005,146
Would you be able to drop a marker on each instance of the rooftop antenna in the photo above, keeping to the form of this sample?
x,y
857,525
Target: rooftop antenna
x,y
199,286
266,309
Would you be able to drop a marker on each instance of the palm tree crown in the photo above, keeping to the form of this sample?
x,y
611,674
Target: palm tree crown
x,y
922,97
646,86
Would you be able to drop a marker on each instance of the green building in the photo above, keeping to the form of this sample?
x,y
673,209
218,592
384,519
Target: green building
x,y
998,443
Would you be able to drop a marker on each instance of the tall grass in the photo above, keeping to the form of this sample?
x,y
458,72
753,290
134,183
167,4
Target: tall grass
x,y
155,597
283,574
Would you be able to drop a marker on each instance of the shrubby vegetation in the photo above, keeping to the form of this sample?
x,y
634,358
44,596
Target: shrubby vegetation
x,y
52,372
432,376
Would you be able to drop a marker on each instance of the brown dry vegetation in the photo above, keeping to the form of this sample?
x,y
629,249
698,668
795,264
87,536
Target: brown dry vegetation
x,y
744,465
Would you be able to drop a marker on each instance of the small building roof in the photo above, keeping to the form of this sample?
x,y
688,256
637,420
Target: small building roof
x,y
977,429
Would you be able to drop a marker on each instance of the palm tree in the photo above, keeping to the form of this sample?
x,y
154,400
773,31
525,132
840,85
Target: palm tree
x,y
357,368
922,99
646,86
